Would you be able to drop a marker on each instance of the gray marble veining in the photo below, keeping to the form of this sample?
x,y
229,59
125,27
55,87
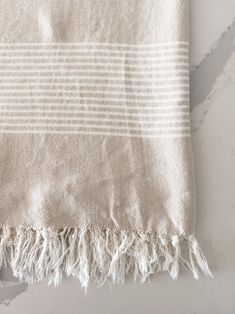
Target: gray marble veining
x,y
204,75
10,287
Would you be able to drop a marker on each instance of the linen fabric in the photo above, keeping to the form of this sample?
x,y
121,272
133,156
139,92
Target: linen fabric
x,y
96,161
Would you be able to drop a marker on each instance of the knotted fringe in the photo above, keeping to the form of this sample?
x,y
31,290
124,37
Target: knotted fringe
x,y
98,256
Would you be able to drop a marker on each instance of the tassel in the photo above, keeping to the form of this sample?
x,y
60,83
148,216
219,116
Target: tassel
x,y
96,255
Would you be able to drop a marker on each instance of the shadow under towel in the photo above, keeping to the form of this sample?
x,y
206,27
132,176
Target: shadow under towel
x,y
96,163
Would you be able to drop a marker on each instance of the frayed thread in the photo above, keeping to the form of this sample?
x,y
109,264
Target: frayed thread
x,y
96,255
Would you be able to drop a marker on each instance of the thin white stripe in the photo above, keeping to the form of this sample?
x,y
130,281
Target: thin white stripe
x,y
51,132
114,127
98,119
47,87
95,84
101,53
86,57
95,64
15,93
95,79
77,44
94,50
86,112
12,119
122,107
97,99
99,71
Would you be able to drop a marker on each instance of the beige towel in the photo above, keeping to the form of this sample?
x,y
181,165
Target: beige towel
x,y
96,163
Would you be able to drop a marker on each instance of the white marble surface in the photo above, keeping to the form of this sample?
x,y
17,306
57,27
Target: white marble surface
x,y
213,128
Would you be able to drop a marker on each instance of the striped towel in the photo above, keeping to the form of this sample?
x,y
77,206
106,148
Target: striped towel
x,y
95,164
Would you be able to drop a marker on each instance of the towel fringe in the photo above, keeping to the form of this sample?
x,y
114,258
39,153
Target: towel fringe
x,y
96,255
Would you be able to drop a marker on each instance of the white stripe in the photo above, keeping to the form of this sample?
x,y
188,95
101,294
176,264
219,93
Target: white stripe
x,y
114,127
96,119
91,53
95,79
36,132
87,106
86,112
95,51
95,84
15,93
86,57
97,99
99,71
96,44
95,64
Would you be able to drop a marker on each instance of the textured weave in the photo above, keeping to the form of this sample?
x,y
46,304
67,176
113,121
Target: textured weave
x,y
96,163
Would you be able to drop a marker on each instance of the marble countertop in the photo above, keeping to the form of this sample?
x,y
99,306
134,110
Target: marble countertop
x,y
213,129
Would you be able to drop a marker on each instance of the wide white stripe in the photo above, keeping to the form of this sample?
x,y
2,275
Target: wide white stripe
x,y
97,133
86,112
106,99
14,58
78,93
98,126
96,44
46,87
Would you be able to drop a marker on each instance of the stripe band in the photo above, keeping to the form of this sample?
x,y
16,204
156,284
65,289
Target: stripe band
x,y
98,89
